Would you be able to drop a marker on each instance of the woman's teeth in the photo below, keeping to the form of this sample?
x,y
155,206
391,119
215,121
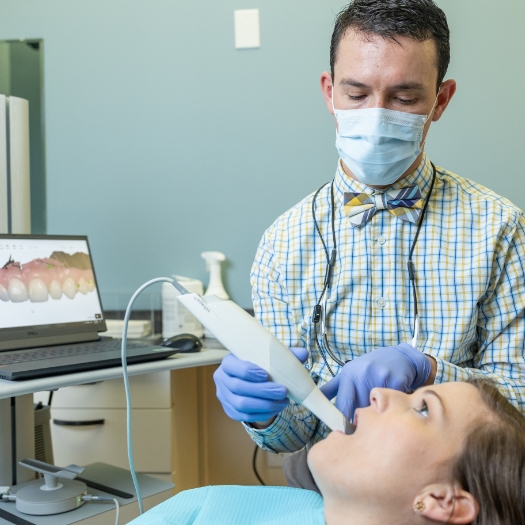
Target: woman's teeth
x,y
40,279
82,286
37,291
69,288
17,290
55,290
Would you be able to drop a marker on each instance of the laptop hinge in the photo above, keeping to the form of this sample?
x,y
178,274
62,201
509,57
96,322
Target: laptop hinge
x,y
51,340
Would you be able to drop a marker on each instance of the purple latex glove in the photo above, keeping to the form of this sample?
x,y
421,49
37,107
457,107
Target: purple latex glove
x,y
245,392
399,367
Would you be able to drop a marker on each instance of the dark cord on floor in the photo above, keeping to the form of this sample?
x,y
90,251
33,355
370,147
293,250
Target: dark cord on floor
x,y
254,465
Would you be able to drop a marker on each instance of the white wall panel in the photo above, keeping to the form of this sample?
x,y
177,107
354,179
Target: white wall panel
x,y
19,159
3,166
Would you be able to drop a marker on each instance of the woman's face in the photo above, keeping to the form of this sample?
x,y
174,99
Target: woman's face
x,y
401,444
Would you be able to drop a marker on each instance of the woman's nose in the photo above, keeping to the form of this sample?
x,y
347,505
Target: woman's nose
x,y
383,398
379,399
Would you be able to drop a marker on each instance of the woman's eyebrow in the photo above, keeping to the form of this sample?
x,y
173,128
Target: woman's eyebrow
x,y
434,393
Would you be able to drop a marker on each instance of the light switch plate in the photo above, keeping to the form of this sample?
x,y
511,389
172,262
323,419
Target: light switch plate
x,y
247,28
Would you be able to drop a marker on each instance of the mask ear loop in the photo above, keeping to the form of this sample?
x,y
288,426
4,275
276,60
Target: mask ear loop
x,y
429,116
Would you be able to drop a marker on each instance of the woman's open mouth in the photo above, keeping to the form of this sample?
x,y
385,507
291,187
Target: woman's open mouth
x,y
356,417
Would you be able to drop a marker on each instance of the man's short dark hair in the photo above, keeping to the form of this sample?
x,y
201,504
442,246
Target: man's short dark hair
x,y
418,19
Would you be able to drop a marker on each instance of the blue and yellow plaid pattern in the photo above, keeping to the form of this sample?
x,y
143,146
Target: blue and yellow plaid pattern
x,y
405,204
470,278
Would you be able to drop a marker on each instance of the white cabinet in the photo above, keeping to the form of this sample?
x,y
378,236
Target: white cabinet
x,y
88,423
180,431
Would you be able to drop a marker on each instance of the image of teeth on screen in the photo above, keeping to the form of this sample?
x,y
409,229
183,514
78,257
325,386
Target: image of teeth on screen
x,y
40,279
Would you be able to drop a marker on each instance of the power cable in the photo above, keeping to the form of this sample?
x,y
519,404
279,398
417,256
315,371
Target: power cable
x,y
254,465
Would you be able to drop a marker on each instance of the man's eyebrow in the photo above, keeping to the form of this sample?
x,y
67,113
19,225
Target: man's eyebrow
x,y
434,393
353,83
408,86
405,86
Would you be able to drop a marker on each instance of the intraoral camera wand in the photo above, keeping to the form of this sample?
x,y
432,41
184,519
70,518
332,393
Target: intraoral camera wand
x,y
248,340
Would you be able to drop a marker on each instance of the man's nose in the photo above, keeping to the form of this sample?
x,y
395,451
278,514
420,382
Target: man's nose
x,y
379,101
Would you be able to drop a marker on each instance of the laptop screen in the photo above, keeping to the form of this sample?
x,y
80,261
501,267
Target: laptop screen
x,y
47,282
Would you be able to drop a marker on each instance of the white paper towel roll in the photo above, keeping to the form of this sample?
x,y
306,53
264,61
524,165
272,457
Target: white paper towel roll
x,y
176,319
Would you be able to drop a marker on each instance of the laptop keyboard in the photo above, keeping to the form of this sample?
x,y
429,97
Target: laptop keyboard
x,y
36,354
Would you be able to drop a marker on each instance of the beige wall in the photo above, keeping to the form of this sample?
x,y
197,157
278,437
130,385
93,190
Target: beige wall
x,y
210,448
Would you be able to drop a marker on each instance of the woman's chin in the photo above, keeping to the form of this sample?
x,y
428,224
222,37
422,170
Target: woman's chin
x,y
324,454
315,457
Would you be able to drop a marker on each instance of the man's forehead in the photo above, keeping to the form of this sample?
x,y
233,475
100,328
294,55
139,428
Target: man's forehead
x,y
352,35
402,86
358,49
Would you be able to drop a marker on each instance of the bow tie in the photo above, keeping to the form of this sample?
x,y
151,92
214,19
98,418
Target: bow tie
x,y
406,204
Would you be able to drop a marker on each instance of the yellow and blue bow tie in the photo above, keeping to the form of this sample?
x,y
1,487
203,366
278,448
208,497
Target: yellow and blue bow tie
x,y
406,204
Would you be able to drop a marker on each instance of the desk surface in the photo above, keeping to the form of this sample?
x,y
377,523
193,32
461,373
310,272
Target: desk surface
x,y
18,388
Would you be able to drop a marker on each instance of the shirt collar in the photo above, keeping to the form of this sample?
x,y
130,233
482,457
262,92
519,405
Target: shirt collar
x,y
421,176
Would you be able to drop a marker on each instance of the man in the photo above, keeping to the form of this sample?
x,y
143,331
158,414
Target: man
x,y
392,229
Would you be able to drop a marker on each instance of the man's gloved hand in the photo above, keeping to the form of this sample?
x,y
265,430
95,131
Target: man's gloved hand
x,y
245,392
399,367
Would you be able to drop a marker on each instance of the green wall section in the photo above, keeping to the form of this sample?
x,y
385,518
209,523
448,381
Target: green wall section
x,y
164,141
5,69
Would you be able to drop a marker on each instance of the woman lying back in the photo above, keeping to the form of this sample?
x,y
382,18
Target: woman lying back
x,y
448,453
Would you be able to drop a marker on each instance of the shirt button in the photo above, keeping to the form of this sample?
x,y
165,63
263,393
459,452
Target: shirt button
x,y
381,240
381,303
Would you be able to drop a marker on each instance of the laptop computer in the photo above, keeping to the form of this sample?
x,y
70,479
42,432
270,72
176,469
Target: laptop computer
x,y
51,313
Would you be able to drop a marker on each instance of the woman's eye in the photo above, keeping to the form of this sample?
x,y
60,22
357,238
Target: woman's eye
x,y
423,409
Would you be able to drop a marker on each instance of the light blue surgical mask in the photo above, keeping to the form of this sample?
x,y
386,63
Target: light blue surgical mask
x,y
378,145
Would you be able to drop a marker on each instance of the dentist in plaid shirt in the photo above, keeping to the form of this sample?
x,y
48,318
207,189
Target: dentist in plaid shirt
x,y
386,87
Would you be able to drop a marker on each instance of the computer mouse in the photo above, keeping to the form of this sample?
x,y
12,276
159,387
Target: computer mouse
x,y
184,343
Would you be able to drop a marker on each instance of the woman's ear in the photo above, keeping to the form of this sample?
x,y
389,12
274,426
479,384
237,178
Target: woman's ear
x,y
446,503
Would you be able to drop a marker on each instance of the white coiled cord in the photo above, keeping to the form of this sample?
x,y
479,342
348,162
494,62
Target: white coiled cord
x,y
126,382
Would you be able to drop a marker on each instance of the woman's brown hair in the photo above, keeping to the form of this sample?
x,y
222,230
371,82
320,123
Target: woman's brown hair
x,y
492,464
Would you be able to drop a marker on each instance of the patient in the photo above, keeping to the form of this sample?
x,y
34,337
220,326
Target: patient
x,y
448,453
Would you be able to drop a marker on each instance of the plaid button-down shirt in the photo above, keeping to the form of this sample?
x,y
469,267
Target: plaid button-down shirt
x,y
470,279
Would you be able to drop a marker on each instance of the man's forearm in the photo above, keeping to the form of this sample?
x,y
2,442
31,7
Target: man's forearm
x,y
291,430
513,388
261,425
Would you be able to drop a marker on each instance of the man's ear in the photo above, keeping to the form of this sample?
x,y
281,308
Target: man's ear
x,y
446,92
326,88
446,503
